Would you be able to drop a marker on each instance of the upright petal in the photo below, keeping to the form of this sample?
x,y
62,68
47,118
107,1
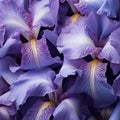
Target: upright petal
x,y
12,17
86,6
74,41
71,109
41,14
32,83
93,82
109,8
69,67
100,30
35,54
102,7
40,111
111,50
54,8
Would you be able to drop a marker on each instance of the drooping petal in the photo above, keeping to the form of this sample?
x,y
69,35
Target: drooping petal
x,y
116,86
111,50
109,8
69,67
35,54
40,11
40,111
70,109
116,112
5,72
93,82
74,41
5,99
10,46
32,83
12,17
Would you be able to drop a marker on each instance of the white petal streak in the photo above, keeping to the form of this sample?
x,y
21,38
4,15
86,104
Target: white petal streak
x,y
40,10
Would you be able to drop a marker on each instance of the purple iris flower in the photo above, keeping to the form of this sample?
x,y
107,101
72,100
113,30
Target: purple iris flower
x,y
79,39
59,59
35,52
109,8
68,108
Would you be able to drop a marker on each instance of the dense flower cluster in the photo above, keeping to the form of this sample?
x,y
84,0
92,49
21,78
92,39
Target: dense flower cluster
x,y
59,59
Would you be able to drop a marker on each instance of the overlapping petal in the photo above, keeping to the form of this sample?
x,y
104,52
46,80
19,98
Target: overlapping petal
x,y
98,29
40,11
40,111
12,17
116,86
93,82
70,109
109,8
74,41
35,54
111,50
32,83
5,72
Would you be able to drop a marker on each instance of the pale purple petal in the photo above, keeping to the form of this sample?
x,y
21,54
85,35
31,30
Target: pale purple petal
x,y
12,17
40,111
2,33
69,67
74,41
111,50
54,8
5,72
32,83
93,82
4,87
70,109
40,11
98,29
109,8
8,47
35,54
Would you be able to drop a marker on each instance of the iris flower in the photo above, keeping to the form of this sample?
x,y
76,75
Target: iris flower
x,y
80,39
109,8
35,52
36,36
68,108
